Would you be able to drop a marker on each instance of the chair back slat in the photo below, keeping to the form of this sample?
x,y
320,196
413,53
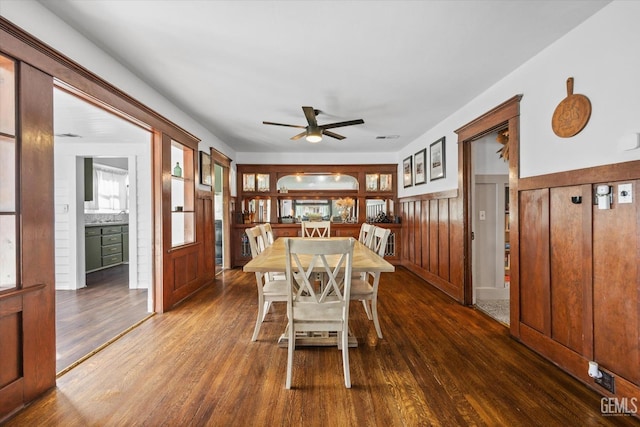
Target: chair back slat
x,y
379,239
316,228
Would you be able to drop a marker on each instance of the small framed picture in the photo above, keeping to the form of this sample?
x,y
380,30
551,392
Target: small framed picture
x,y
205,169
407,172
420,160
372,182
385,182
437,160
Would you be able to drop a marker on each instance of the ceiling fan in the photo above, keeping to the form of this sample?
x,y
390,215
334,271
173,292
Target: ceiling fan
x,y
313,132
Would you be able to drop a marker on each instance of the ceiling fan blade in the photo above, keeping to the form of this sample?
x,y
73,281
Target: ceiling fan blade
x,y
333,134
340,124
298,136
310,114
282,124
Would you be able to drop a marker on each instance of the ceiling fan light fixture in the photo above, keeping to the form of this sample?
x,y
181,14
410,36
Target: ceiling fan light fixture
x,y
314,136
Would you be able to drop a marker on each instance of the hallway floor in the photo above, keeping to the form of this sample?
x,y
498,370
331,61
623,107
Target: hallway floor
x,y
89,317
498,309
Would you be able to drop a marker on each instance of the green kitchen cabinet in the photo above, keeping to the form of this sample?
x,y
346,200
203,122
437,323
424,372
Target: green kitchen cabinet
x,y
93,249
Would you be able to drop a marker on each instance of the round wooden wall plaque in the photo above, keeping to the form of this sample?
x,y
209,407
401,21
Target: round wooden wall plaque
x,y
572,114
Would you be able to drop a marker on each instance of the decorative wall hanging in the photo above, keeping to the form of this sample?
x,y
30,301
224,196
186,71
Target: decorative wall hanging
x,y
572,114
407,172
420,160
205,169
503,138
436,160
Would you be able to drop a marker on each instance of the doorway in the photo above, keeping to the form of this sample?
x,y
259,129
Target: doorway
x,y
221,208
505,116
103,236
490,245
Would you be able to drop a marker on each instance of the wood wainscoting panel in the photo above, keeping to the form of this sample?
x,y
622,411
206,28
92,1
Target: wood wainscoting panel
x,y
424,236
570,265
433,236
417,232
11,333
185,269
534,260
616,286
433,240
443,239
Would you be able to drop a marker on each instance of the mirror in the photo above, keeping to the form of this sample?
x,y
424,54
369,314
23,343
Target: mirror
x,y
317,181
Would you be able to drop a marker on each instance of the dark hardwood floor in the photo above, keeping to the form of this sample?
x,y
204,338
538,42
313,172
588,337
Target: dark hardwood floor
x,y
439,364
89,317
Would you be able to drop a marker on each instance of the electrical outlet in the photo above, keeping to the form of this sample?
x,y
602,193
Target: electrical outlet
x,y
607,381
625,193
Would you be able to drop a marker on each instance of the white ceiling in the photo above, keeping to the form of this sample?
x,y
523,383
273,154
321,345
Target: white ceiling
x,y
402,66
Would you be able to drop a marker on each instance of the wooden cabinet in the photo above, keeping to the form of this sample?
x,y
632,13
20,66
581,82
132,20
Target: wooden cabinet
x,y
285,194
104,246
183,218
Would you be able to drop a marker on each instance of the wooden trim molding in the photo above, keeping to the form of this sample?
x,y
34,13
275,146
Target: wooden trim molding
x,y
18,43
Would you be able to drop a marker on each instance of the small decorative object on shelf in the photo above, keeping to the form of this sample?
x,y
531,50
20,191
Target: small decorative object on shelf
x,y
345,205
177,171
382,218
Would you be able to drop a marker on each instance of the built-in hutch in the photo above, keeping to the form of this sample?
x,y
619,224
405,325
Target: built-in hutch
x,y
286,195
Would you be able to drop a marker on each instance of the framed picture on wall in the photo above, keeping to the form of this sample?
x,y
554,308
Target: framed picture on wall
x,y
205,169
437,160
420,161
407,171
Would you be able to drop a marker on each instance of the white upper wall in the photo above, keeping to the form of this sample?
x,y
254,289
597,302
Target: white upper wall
x,y
41,23
601,55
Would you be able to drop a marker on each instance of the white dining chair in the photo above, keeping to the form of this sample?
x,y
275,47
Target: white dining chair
x,y
365,287
270,289
316,228
365,233
267,240
267,234
324,309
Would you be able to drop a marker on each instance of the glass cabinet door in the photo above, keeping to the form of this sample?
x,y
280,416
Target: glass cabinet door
x,y
8,190
182,195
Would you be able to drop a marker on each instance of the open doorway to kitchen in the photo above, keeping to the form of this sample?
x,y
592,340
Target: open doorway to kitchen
x,y
103,239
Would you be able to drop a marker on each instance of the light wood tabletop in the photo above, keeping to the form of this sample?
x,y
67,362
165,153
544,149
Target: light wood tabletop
x,y
273,259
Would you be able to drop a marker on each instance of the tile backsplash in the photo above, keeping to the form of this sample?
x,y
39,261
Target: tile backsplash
x,y
105,218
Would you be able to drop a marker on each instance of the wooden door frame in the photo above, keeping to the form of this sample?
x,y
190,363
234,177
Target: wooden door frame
x,y
217,158
506,114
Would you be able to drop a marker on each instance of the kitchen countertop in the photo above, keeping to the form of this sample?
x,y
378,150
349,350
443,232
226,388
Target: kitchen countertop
x,y
104,224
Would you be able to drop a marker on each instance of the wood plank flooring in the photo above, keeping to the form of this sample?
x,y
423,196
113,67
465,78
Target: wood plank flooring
x,y
89,317
439,364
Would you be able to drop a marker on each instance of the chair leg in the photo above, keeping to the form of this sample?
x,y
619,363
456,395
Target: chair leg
x,y
365,303
376,322
344,335
261,315
291,347
267,306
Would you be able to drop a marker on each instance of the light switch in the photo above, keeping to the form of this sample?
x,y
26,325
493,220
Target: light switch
x,y
483,215
625,193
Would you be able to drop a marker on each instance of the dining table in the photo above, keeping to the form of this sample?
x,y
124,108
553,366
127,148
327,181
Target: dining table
x,y
273,260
